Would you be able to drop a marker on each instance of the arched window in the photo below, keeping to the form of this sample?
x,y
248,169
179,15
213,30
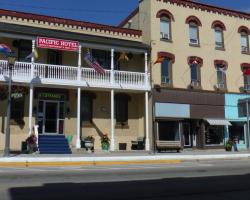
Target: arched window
x,y
245,67
244,39
194,24
165,24
221,67
195,64
219,27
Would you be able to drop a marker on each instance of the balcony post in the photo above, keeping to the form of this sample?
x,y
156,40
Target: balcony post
x,y
31,87
78,139
112,138
112,67
147,145
79,63
146,69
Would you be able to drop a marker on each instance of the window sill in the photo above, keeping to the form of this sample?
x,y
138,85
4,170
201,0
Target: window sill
x,y
165,85
122,126
166,40
194,45
220,48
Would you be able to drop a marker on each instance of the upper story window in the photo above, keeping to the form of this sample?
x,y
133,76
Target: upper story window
x,y
244,39
165,24
219,29
165,28
194,24
195,64
166,75
221,67
245,67
24,49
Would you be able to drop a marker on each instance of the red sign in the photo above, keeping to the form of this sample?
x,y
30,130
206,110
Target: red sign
x,y
52,43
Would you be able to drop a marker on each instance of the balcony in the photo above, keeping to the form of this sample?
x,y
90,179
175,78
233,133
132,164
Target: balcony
x,y
68,76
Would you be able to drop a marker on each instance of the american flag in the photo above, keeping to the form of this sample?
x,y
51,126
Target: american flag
x,y
4,48
93,63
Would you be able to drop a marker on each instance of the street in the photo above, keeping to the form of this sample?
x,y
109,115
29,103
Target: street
x,y
188,180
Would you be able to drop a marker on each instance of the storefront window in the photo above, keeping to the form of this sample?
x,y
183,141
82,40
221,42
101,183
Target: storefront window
x,y
214,135
17,108
168,131
237,131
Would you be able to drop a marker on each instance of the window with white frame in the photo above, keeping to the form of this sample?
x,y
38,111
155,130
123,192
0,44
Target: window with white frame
x,y
193,33
244,42
219,42
221,76
165,28
166,72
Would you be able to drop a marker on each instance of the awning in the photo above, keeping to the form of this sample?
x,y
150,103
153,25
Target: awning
x,y
218,122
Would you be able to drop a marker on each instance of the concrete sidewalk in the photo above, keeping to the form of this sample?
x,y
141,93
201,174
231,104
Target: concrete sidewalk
x,y
117,158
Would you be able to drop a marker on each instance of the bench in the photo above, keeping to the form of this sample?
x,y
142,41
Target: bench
x,y
168,145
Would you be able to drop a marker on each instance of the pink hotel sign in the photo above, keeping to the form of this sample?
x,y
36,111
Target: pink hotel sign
x,y
53,43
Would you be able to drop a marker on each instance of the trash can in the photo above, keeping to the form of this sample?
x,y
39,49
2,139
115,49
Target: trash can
x,y
123,146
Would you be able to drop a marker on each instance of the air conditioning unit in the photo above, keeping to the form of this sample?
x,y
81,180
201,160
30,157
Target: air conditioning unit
x,y
193,41
164,36
219,44
220,86
194,84
244,49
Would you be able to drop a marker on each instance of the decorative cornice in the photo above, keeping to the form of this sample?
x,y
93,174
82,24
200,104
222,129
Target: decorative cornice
x,y
164,12
208,8
194,19
192,59
168,55
69,23
244,28
218,23
222,63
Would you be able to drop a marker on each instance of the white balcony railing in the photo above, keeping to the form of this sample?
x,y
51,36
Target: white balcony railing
x,y
71,76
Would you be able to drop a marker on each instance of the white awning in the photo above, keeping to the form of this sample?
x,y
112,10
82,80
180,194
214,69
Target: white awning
x,y
218,122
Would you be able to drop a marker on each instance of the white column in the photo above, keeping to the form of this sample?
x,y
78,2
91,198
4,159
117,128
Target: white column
x,y
146,69
147,145
78,139
79,63
112,66
112,138
31,87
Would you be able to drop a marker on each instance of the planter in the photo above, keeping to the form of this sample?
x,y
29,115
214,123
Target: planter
x,y
105,146
89,145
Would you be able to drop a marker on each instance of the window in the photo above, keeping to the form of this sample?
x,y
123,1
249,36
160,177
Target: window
x,y
219,43
17,107
244,42
168,131
221,76
214,135
86,108
24,49
193,33
165,28
194,69
166,72
121,109
54,57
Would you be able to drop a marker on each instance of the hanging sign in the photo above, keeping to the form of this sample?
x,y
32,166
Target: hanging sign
x,y
53,43
48,95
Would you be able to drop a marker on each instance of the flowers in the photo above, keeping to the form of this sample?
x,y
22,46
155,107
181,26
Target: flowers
x,y
89,138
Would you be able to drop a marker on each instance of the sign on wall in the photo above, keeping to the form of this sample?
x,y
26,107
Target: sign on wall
x,y
58,44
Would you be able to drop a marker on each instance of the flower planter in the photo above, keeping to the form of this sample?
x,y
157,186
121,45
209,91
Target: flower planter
x,y
105,146
89,145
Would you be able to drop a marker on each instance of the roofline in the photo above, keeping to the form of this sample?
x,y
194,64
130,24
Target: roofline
x,y
131,15
58,20
209,7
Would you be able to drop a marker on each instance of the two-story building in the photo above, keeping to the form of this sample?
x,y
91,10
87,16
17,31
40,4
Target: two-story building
x,y
200,69
56,89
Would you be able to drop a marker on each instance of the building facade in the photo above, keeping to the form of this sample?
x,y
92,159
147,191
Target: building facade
x,y
199,62
58,91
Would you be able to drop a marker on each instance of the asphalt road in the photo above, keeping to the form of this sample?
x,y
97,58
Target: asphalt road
x,y
189,180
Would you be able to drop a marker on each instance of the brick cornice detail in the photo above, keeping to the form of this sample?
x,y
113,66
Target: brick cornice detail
x,y
168,55
218,23
221,62
191,59
193,18
164,12
244,28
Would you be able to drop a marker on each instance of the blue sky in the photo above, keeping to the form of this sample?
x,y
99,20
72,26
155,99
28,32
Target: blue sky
x,y
100,11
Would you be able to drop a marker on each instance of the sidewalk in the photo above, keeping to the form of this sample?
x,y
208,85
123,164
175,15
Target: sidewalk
x,y
117,158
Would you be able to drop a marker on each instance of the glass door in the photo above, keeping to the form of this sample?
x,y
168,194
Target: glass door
x,y
51,115
187,135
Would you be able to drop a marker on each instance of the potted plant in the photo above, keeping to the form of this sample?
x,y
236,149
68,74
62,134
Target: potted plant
x,y
89,143
229,145
105,141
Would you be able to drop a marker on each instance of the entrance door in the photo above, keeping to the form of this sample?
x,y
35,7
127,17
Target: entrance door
x,y
187,135
51,117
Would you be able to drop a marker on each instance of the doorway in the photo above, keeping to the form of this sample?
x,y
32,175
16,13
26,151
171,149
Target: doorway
x,y
187,134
